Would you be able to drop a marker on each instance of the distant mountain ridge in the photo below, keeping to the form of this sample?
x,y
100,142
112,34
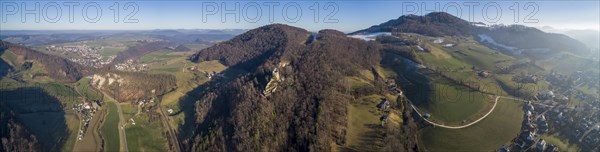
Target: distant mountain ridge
x,y
438,24
432,24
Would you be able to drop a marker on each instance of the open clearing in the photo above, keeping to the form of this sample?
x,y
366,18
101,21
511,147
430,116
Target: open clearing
x,y
499,128
110,130
364,128
146,134
89,93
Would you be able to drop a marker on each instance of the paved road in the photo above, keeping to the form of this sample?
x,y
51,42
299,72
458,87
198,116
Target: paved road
x,y
455,127
588,131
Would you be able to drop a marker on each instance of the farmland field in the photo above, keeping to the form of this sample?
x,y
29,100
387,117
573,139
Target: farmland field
x,y
87,91
146,134
110,128
61,124
364,127
499,128
39,108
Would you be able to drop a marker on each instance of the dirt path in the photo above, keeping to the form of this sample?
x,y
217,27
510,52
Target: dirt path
x,y
455,127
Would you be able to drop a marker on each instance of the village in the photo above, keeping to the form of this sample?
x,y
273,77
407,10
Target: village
x,y
82,54
132,66
550,114
86,111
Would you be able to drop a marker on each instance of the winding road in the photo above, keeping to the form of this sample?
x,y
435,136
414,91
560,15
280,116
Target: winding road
x,y
454,127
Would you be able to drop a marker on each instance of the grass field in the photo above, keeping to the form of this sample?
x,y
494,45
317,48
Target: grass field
x,y
589,90
51,128
521,90
566,63
157,56
145,135
110,128
187,81
451,105
10,57
364,128
45,110
440,94
365,132
464,54
196,47
36,73
87,91
108,51
64,93
499,128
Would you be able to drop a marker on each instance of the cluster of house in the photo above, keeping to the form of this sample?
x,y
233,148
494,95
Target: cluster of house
x,y
143,102
86,111
131,66
578,124
532,127
85,55
587,78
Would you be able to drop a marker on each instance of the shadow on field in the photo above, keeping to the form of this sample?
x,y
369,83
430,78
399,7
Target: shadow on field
x,y
416,85
369,141
41,114
4,67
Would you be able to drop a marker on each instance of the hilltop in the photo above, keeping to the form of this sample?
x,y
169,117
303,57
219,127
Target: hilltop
x,y
515,39
432,24
292,97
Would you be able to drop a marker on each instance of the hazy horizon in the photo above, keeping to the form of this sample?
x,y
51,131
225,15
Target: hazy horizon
x,y
345,16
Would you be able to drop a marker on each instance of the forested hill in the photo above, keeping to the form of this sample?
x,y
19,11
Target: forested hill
x,y
13,135
524,37
266,39
432,24
519,37
292,98
58,68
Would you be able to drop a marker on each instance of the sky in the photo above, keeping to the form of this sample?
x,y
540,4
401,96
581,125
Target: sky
x,y
347,16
